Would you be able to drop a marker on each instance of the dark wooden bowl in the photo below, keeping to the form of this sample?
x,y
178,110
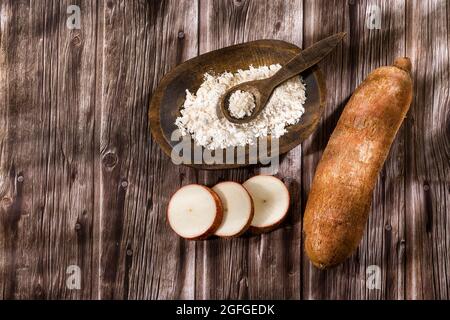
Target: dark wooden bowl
x,y
169,97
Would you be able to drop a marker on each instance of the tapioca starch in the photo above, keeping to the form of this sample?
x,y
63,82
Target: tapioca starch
x,y
199,118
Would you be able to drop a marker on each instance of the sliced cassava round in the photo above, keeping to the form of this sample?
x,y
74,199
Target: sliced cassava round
x,y
194,212
237,209
341,193
270,200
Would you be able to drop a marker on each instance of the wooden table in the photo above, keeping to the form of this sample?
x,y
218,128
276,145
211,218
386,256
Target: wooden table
x,y
83,184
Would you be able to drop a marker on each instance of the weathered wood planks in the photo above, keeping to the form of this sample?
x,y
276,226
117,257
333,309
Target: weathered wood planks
x,y
82,183
139,256
427,193
47,104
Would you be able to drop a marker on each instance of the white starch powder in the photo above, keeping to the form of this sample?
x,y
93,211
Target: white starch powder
x,y
241,104
199,118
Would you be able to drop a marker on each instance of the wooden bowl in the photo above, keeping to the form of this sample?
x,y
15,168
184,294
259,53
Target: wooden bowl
x,y
170,95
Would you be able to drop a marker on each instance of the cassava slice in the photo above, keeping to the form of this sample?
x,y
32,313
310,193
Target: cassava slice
x,y
341,192
237,209
194,212
271,202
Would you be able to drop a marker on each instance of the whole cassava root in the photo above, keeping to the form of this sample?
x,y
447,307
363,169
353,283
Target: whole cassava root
x,y
341,192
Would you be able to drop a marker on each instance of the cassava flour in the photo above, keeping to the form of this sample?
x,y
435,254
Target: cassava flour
x,y
241,104
199,116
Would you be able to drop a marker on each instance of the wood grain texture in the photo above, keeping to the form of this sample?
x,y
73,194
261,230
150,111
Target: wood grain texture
x,y
47,106
139,256
83,183
428,153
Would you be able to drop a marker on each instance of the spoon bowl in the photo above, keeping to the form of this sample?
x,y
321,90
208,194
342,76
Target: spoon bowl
x,y
260,95
168,98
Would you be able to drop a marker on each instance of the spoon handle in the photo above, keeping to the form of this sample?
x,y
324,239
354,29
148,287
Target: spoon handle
x,y
307,58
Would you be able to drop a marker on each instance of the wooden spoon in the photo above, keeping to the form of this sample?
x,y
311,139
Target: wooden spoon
x,y
262,89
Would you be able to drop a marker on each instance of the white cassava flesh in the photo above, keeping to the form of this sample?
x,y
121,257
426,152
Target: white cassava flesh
x,y
237,209
271,202
194,212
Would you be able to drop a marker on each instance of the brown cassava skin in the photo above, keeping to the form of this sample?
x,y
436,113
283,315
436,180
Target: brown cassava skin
x,y
341,193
